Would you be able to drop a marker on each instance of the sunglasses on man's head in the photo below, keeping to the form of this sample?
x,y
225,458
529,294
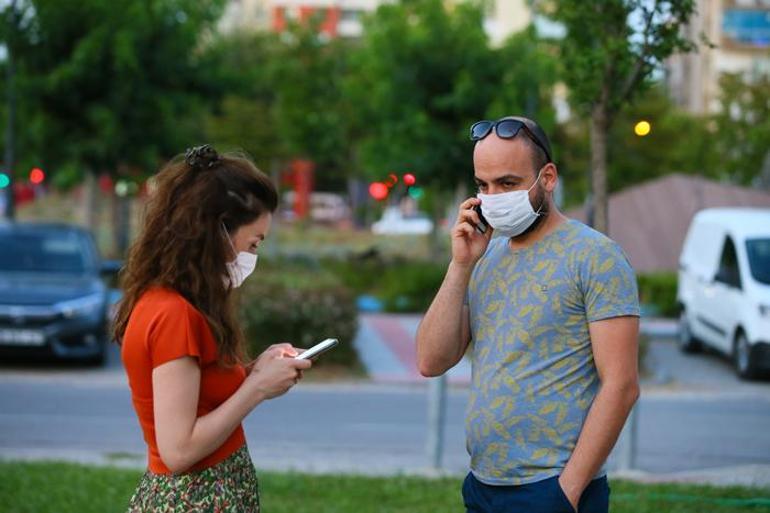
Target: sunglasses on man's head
x,y
505,129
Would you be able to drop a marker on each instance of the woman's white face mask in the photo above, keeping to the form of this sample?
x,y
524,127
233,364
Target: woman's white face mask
x,y
509,213
240,268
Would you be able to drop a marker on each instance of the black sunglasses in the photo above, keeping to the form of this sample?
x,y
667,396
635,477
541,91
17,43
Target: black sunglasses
x,y
505,129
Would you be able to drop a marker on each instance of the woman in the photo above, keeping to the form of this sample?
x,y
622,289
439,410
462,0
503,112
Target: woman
x,y
181,346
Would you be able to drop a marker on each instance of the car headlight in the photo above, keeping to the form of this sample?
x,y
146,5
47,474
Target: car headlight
x,y
81,307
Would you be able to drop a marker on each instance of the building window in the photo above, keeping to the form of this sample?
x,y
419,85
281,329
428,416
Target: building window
x,y
747,27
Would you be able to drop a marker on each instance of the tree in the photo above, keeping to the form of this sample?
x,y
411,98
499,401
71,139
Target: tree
x,y
422,74
526,84
116,86
742,130
311,110
115,80
245,117
13,19
610,49
679,142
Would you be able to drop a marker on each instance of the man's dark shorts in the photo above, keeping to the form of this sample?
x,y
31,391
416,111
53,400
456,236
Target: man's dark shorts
x,y
541,497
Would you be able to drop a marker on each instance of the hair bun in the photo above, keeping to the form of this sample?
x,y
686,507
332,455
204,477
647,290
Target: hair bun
x,y
201,157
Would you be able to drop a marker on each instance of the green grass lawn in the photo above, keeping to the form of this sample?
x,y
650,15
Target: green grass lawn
x,y
69,488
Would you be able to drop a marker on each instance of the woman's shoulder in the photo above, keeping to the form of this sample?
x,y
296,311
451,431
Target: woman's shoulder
x,y
162,301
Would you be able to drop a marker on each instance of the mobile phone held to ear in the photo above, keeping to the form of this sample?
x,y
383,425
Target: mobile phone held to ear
x,y
482,226
317,349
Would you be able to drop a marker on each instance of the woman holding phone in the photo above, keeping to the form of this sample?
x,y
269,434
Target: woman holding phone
x,y
182,349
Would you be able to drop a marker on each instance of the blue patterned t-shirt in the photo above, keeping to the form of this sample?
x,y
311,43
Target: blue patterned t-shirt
x,y
534,377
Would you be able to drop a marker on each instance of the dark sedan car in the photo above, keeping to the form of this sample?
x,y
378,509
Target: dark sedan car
x,y
53,299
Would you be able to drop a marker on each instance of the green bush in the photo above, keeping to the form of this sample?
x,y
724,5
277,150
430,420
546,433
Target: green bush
x,y
300,305
360,275
402,285
658,291
411,286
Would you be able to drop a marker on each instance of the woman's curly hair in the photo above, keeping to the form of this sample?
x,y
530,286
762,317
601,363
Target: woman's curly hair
x,y
183,245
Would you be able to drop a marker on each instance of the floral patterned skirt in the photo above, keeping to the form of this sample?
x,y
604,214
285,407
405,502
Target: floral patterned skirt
x,y
230,486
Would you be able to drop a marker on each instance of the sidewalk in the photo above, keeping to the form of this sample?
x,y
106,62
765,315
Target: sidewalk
x,y
385,344
757,475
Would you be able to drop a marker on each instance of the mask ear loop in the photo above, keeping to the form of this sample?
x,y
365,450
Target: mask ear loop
x,y
227,236
539,174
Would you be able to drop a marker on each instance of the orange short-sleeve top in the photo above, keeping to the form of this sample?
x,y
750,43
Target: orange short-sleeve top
x,y
164,326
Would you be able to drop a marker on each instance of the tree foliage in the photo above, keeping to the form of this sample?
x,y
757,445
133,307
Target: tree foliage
x,y
742,129
245,118
610,49
422,74
110,86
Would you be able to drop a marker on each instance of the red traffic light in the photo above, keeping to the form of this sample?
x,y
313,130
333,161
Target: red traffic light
x,y
36,176
409,179
378,191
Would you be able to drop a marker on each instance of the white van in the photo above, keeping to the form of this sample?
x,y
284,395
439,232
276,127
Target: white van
x,y
724,286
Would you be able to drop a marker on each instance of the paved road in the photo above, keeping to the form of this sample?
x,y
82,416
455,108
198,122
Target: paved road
x,y
694,414
357,427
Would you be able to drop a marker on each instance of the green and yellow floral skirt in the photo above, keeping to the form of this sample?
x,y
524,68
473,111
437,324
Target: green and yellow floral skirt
x,y
228,487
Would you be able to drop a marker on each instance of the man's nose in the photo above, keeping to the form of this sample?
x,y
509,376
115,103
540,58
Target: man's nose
x,y
494,189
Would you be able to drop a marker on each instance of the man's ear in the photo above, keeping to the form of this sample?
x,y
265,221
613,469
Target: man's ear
x,y
549,177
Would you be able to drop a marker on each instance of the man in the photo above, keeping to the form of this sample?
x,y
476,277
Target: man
x,y
552,308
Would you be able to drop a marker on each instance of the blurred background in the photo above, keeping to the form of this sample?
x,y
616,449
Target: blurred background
x,y
359,110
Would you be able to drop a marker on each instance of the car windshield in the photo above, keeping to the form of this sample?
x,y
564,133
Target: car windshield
x,y
54,252
759,259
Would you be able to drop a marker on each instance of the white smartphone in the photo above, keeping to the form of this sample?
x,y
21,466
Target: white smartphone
x,y
317,349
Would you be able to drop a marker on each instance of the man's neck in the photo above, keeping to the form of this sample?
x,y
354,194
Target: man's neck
x,y
549,224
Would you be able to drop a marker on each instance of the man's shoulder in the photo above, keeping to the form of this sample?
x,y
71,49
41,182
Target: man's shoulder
x,y
583,235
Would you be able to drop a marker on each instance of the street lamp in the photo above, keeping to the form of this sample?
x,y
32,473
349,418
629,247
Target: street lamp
x,y
642,128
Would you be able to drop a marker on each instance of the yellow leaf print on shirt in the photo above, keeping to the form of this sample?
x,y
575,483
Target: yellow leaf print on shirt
x,y
607,265
516,419
552,435
562,414
548,408
509,406
512,384
530,394
498,402
525,311
519,438
494,307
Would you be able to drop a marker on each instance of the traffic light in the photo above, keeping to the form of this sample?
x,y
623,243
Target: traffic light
x,y
36,176
5,180
409,179
416,193
378,191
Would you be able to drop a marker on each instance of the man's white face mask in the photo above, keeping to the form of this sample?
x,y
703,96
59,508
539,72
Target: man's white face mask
x,y
240,268
509,213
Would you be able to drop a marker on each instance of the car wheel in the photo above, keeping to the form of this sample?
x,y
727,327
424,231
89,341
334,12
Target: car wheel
x,y
743,359
98,359
686,341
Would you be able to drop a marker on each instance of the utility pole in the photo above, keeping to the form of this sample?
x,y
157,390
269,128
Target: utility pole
x,y
436,420
9,157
